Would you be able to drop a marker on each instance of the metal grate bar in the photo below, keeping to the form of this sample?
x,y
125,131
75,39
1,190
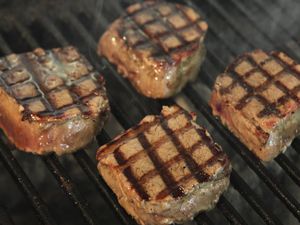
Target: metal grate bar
x,y
296,144
264,38
25,185
291,47
4,46
289,168
69,187
247,9
242,187
248,156
44,20
229,212
89,168
5,218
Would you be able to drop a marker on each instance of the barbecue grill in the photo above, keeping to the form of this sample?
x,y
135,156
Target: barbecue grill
x,y
68,189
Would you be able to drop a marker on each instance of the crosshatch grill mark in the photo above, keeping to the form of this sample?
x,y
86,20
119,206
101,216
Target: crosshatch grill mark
x,y
27,71
154,40
270,108
173,187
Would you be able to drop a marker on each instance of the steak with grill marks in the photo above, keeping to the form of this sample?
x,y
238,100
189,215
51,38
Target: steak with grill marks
x,y
51,101
258,99
166,169
157,46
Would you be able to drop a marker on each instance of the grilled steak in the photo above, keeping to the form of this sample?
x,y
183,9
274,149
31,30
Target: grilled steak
x,y
51,101
166,169
158,46
258,99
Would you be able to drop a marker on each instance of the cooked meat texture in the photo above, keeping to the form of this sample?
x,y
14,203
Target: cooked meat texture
x,y
51,101
166,169
257,98
157,46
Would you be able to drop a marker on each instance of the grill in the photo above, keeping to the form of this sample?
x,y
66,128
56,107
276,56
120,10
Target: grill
x,y
68,190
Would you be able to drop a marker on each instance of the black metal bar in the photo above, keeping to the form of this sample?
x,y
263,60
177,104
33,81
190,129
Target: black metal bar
x,y
296,144
203,219
69,187
18,174
229,212
262,5
289,168
247,155
90,169
267,16
4,46
46,22
5,218
262,210
237,25
25,34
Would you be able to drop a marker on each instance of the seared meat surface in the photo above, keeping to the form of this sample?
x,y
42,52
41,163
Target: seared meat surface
x,y
157,46
258,99
166,169
51,101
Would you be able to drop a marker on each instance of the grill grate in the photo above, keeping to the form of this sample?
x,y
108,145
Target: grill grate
x,y
221,16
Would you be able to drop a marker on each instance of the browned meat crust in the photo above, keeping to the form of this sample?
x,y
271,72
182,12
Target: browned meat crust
x,y
166,169
51,101
258,99
158,46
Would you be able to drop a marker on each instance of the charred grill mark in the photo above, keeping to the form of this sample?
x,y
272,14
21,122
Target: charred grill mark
x,y
173,187
33,63
160,51
164,173
251,91
130,176
169,163
155,145
165,192
270,108
26,61
215,149
190,162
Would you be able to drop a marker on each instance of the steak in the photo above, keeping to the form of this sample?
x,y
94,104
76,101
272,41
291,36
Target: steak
x,y
157,46
258,99
166,169
51,101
